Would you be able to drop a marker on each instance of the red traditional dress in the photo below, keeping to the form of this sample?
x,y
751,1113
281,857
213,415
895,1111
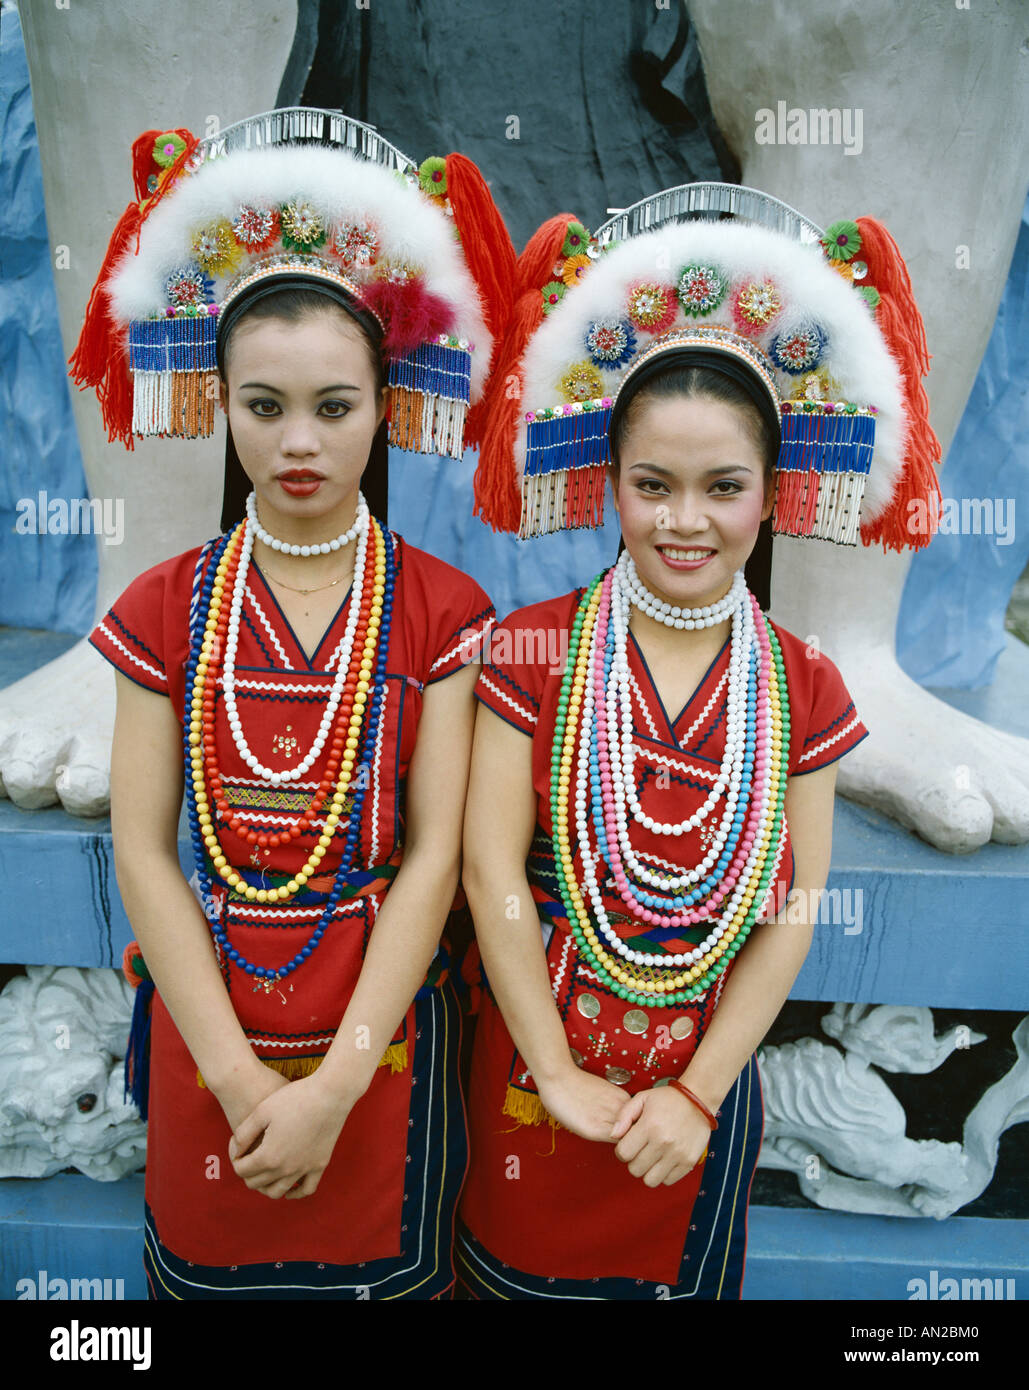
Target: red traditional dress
x,y
546,1214
381,1222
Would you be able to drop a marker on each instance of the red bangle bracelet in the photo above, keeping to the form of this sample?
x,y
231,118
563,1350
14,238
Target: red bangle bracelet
x,y
696,1101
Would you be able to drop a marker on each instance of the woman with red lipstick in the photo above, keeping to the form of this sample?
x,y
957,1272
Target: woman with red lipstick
x,y
306,678
648,828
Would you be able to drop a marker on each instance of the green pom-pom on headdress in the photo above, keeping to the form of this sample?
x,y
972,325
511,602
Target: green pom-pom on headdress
x,y
553,292
432,176
842,241
577,238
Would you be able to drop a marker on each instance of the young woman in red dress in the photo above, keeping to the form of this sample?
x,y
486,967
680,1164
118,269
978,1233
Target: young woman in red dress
x,y
649,819
305,678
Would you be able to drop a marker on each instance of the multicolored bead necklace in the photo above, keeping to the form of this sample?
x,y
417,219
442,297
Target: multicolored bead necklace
x,y
593,743
358,692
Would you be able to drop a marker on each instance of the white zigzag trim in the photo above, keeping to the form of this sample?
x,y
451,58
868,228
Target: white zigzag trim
x,y
655,757
300,1042
132,657
699,721
269,629
257,782
240,910
475,635
643,706
519,709
563,966
293,687
813,752
284,818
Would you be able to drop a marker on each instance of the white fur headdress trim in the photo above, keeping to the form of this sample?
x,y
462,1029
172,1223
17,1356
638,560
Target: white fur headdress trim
x,y
856,354
342,188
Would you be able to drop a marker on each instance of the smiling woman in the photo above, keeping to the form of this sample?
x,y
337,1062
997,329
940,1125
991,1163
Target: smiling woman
x,y
638,823
310,674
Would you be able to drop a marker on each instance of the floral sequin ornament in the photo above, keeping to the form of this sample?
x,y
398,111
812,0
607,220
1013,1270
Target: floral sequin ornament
x,y
582,382
302,227
216,248
756,304
256,229
651,307
356,245
189,286
798,351
610,342
701,288
816,386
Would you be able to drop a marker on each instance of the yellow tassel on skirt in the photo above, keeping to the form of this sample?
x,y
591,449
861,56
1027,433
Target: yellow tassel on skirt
x,y
293,1068
526,1108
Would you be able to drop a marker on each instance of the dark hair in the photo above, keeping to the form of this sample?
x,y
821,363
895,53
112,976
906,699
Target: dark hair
x,y
710,384
757,415
292,304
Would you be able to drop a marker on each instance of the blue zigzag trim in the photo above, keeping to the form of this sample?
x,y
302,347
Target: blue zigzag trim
x,y
133,638
503,676
813,738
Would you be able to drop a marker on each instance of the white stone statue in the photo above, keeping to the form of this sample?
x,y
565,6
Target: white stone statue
x,y
944,161
63,1032
832,1120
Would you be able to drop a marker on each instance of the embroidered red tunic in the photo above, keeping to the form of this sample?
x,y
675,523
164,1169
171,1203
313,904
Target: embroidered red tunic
x,y
535,1224
440,617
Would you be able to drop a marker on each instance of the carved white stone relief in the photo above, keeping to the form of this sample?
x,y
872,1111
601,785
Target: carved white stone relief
x,y
63,1032
831,1118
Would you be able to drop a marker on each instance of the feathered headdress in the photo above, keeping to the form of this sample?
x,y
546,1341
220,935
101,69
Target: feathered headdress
x,y
834,335
298,190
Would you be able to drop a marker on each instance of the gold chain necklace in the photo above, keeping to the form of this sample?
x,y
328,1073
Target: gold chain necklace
x,y
317,590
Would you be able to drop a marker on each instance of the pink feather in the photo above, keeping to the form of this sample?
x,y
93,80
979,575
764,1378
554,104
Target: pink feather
x,y
410,313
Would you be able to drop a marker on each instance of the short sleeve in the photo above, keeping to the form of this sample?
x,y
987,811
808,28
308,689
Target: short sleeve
x,y
131,634
524,650
831,724
467,629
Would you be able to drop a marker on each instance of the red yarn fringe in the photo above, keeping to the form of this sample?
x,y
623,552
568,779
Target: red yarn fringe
x,y
490,257
901,324
100,358
497,498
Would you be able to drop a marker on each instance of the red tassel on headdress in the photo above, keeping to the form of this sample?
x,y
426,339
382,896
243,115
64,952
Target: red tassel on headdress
x,y
100,358
901,323
490,257
497,499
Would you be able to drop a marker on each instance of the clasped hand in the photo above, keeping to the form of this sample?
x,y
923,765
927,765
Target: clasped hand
x,y
658,1134
285,1140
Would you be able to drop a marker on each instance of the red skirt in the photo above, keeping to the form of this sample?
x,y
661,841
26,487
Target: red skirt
x,y
207,1215
540,1198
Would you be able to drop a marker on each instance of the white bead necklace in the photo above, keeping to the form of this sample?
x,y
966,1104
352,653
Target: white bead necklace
x,y
622,746
323,547
689,618
721,928
292,774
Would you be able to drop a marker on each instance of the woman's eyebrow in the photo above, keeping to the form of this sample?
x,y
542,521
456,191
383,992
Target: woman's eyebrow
x,y
263,386
708,472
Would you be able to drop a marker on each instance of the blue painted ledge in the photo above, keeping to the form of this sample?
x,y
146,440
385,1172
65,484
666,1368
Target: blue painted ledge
x,y
70,1227
795,1254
